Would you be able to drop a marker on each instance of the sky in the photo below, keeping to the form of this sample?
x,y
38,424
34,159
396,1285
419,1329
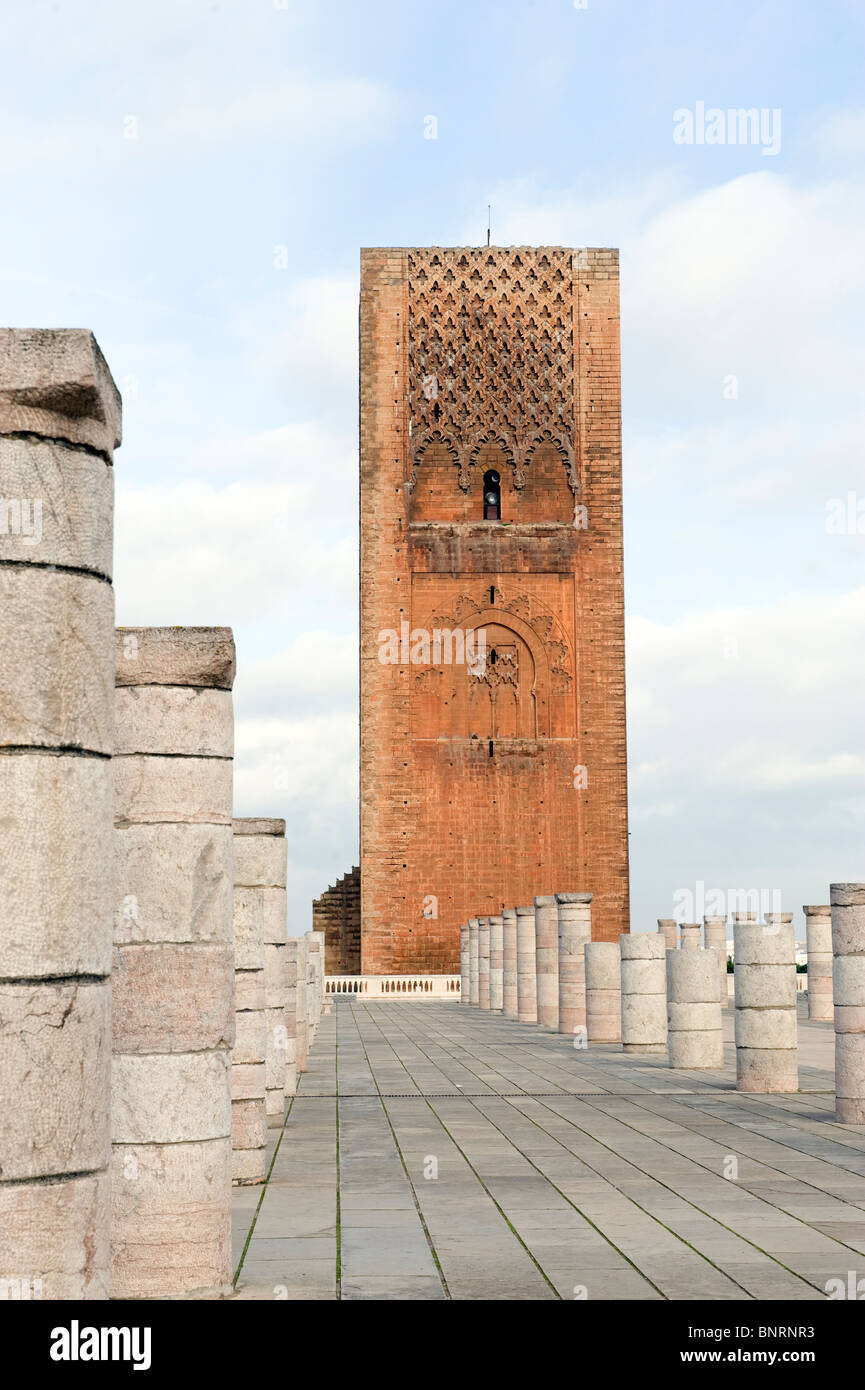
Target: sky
x,y
193,181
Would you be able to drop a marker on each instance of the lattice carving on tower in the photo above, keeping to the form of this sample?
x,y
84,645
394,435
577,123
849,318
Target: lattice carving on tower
x,y
491,353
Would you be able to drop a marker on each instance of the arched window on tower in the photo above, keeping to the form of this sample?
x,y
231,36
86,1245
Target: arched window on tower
x,y
492,496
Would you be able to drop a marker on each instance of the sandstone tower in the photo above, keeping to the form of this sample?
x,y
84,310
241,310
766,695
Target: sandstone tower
x,y
490,503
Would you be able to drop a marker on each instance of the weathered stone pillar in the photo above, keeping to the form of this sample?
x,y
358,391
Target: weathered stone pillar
x,y
497,946
311,1020
318,974
484,962
765,997
669,928
291,1016
248,1068
644,991
818,936
694,1036
527,988
603,991
311,1009
575,929
690,936
474,929
59,425
509,963
465,980
275,987
260,856
547,961
301,1004
848,975
715,938
173,963
316,982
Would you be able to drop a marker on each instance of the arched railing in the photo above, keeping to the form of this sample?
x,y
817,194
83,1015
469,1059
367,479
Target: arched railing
x,y
401,987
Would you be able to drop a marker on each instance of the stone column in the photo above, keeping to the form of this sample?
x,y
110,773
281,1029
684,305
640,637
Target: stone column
x,y
848,975
248,1068
301,1024
291,1016
260,856
484,962
575,929
497,947
644,991
311,1012
316,948
474,928
509,962
173,963
765,996
715,937
527,989
818,936
694,1036
690,936
547,961
318,936
603,991
669,928
465,981
59,425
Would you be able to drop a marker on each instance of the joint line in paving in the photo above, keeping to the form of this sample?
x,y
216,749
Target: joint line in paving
x,y
479,1179
573,1205
769,1139
264,1187
687,1200
420,1215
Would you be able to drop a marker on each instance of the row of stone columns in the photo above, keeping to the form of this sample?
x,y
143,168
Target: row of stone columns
x,y
652,998
264,1058
148,992
527,962
818,928
649,996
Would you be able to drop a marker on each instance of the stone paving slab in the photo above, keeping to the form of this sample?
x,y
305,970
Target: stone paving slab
x,y
435,1152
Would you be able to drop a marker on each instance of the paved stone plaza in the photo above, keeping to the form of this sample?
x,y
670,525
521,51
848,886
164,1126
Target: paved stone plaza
x,y
560,1173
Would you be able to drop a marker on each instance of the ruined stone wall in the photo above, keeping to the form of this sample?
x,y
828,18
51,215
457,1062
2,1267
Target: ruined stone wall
x,y
337,914
479,790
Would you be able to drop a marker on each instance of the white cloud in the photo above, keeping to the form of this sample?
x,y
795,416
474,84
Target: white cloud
x,y
307,765
296,756
184,117
760,277
842,132
304,337
267,543
747,765
318,672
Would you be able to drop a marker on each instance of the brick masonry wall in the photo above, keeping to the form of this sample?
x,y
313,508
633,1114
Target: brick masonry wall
x,y
473,793
337,914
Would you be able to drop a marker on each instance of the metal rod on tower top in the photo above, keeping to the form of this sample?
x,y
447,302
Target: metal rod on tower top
x,y
489,220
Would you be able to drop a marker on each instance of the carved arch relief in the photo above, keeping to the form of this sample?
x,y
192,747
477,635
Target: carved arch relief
x,y
432,438
516,458
502,692
509,693
547,439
